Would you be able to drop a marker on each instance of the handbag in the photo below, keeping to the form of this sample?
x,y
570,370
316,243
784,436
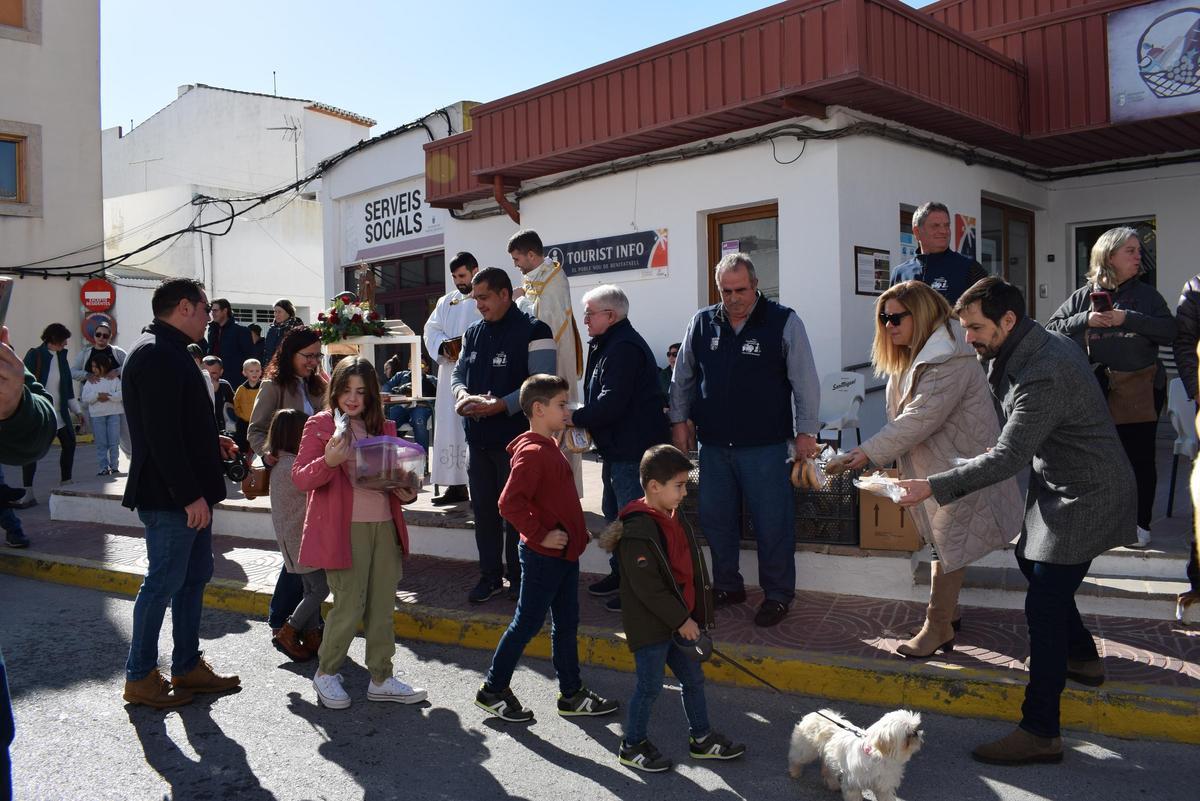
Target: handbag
x,y
257,483
1131,395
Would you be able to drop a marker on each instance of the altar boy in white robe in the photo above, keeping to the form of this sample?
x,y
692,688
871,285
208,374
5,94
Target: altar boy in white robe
x,y
443,339
548,298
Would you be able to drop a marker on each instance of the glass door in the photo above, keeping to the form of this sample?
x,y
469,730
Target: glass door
x,y
754,231
1006,246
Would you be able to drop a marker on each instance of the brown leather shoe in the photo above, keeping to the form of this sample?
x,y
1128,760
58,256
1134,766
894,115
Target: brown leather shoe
x,y
288,642
1089,672
312,639
155,691
203,679
1020,748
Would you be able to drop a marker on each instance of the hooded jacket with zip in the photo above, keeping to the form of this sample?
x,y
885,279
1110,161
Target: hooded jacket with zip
x,y
652,604
540,496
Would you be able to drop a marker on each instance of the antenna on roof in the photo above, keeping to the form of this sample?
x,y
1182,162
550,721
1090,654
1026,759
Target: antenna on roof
x,y
292,131
274,85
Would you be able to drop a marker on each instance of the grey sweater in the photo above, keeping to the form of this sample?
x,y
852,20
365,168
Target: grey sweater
x,y
288,505
1132,346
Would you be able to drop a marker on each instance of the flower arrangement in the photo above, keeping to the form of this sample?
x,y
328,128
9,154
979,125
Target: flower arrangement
x,y
343,320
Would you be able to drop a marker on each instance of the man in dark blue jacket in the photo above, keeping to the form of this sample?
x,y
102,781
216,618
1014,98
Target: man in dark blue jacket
x,y
499,352
230,340
948,272
747,379
622,408
175,479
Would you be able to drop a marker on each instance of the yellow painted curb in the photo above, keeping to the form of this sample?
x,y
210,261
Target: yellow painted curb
x,y
1120,710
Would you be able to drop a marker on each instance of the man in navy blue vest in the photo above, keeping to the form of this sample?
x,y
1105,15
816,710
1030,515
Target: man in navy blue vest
x,y
622,408
745,376
936,264
499,352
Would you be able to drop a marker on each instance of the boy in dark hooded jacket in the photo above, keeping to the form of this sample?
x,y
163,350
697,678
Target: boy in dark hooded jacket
x,y
666,599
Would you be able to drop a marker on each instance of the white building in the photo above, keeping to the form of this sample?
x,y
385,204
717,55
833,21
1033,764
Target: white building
x,y
222,143
50,201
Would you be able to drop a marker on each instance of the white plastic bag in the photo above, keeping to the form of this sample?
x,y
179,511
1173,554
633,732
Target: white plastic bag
x,y
881,484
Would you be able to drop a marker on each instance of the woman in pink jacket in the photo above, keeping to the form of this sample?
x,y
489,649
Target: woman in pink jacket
x,y
356,535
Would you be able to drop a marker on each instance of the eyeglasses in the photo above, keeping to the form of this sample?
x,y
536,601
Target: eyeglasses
x,y
100,335
893,319
671,354
590,314
312,357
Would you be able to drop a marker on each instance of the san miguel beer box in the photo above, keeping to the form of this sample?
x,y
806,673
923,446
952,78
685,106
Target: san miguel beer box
x,y
884,525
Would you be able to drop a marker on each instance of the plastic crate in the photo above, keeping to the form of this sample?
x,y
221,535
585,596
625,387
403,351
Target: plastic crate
x,y
828,516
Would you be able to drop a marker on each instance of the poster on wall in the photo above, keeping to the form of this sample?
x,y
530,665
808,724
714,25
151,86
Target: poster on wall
x,y
391,221
872,271
964,235
908,246
1154,60
644,250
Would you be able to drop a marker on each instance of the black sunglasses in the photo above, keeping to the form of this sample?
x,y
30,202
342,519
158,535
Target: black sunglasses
x,y
892,319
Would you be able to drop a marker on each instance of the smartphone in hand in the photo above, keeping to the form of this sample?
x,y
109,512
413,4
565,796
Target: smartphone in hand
x,y
1102,301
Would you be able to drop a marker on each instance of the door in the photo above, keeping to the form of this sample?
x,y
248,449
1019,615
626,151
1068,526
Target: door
x,y
407,289
1006,246
754,231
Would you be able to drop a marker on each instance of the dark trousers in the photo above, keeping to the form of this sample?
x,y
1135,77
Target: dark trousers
x,y
495,537
1138,441
66,457
289,591
1056,634
7,732
549,584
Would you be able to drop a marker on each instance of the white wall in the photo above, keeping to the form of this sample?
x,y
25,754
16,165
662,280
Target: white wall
x,y
55,84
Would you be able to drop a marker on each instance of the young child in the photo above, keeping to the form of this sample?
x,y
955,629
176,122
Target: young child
x,y
357,535
197,353
103,401
539,499
222,393
243,402
300,637
665,590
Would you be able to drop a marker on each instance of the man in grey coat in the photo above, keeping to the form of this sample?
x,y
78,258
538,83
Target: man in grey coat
x,y
1081,501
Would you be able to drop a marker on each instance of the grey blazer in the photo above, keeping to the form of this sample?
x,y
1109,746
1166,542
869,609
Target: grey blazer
x,y
1082,493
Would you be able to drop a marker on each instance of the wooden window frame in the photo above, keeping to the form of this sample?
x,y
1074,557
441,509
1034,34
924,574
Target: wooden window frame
x,y
719,218
1026,216
22,144
30,29
29,169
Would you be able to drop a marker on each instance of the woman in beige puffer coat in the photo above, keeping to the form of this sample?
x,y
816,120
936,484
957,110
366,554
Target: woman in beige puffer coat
x,y
940,409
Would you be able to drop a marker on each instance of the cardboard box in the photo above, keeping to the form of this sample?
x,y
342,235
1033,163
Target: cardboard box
x,y
883,525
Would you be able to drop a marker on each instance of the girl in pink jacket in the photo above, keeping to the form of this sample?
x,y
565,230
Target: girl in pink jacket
x,y
356,535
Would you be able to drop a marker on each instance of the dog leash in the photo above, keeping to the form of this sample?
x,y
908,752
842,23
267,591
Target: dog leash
x,y
841,725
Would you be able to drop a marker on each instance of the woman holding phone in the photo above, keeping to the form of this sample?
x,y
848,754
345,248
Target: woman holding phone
x,y
1120,321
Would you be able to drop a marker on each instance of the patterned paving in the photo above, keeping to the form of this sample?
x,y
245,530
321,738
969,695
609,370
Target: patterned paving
x,y
1138,651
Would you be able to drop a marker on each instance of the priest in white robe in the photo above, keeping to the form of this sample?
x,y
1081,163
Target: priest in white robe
x,y
443,339
547,296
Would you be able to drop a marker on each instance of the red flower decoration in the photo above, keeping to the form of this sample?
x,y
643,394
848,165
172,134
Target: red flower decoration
x,y
321,316
356,318
373,316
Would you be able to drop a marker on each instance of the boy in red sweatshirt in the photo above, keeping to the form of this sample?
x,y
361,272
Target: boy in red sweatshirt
x,y
666,599
540,500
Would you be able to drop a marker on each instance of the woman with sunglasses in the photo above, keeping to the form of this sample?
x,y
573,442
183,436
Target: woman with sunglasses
x,y
293,381
939,409
102,339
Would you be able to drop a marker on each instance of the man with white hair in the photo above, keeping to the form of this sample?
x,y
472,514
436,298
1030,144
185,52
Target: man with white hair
x,y
623,407
746,377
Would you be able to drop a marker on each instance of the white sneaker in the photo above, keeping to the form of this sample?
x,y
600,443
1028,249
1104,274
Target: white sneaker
x,y
1143,539
393,689
330,692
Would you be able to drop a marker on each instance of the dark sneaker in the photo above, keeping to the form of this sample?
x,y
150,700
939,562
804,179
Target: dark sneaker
x,y
728,597
605,586
514,591
644,757
503,705
714,746
485,589
613,604
585,702
16,539
770,613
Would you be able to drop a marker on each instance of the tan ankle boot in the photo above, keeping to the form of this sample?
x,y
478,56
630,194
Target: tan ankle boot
x,y
937,634
154,690
288,641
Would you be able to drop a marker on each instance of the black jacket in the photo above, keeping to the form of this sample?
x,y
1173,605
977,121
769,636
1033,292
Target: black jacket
x,y
1187,334
176,456
233,343
622,401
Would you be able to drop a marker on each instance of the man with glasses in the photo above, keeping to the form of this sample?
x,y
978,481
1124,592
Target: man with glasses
x,y
664,375
622,408
229,340
175,479
102,342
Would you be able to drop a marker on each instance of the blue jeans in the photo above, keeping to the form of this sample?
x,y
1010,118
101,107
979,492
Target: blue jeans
x,y
1056,634
8,518
651,661
760,476
289,590
418,416
181,563
547,584
7,732
622,485
107,430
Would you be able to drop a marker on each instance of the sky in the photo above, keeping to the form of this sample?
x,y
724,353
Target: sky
x,y
391,61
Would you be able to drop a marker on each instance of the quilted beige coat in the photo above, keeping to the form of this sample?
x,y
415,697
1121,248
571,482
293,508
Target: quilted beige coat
x,y
940,410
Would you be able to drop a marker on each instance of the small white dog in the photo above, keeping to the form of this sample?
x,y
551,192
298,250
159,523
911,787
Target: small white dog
x,y
853,760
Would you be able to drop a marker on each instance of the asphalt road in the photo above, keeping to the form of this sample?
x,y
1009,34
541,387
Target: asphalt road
x,y
76,739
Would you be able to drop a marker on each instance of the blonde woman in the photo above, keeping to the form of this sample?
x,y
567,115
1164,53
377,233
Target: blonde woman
x,y
940,409
1120,321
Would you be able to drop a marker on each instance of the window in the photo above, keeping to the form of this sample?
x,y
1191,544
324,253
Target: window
x,y
1086,236
12,13
1006,246
406,289
11,169
754,231
21,20
263,315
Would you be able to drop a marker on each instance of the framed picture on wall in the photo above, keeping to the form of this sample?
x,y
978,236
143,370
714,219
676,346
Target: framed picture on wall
x,y
872,270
